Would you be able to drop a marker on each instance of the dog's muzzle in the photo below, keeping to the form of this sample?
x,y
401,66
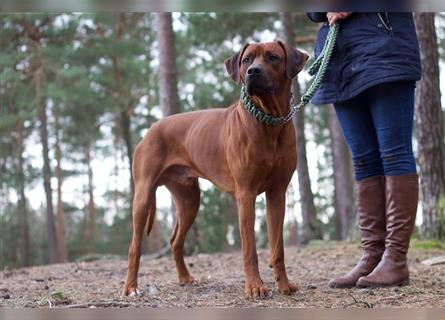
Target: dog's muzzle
x,y
257,81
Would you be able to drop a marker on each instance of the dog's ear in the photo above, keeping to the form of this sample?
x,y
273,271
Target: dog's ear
x,y
233,64
295,60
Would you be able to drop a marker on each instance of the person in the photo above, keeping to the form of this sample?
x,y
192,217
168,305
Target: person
x,y
371,82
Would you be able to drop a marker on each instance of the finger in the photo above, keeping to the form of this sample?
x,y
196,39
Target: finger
x,y
333,20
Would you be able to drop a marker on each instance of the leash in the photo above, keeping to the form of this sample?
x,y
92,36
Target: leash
x,y
320,65
316,70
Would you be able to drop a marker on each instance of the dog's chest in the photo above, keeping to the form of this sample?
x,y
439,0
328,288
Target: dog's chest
x,y
259,159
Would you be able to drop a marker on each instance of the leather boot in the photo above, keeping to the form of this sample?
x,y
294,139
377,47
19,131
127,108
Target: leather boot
x,y
401,206
372,221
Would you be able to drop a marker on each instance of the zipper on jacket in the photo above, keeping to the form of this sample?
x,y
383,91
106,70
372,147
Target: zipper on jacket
x,y
386,23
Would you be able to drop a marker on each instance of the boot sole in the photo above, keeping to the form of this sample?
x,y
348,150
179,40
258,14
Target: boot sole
x,y
341,286
382,285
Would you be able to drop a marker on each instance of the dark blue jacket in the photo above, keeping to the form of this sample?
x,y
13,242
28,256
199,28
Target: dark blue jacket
x,y
370,50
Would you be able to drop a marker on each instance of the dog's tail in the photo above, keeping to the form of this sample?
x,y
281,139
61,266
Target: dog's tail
x,y
151,214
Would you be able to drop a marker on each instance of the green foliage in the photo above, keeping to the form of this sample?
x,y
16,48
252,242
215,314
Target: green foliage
x,y
215,214
427,244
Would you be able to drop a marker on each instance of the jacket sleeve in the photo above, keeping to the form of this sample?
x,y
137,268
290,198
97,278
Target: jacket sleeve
x,y
317,16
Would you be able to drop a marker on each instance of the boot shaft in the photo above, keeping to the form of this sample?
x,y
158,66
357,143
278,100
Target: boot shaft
x,y
371,203
402,195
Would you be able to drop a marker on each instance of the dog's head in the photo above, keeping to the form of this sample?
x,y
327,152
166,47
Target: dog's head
x,y
264,67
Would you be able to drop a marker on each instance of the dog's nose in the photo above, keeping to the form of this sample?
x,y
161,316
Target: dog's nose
x,y
254,69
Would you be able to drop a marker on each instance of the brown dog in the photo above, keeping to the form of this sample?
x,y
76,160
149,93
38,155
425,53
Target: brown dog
x,y
232,149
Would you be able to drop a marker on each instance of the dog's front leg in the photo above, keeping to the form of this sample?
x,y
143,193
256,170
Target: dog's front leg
x,y
276,201
254,286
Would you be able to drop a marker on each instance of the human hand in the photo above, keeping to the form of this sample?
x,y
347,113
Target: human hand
x,y
333,17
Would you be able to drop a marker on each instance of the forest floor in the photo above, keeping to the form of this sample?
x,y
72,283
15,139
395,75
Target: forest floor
x,y
220,282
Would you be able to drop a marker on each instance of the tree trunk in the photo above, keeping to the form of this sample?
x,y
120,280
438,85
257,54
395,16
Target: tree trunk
x,y
311,227
50,224
21,206
430,130
168,91
60,215
344,203
91,203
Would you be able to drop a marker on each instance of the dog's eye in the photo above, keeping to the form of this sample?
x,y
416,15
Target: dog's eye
x,y
273,57
246,60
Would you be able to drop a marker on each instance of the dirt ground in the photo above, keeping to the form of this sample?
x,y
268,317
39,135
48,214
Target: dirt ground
x,y
220,282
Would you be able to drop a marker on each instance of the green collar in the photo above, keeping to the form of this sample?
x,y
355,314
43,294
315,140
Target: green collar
x,y
265,117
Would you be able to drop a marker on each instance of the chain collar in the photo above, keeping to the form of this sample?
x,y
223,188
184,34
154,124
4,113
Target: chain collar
x,y
265,117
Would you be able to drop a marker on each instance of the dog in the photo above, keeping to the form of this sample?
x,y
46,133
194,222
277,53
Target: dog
x,y
233,149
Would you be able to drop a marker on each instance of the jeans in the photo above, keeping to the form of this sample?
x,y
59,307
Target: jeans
x,y
377,126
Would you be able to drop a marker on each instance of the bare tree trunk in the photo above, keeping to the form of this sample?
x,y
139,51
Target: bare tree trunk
x,y
168,91
50,224
91,203
22,210
430,130
311,226
344,202
61,234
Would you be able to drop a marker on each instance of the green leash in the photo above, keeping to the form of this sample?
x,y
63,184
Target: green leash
x,y
320,65
317,69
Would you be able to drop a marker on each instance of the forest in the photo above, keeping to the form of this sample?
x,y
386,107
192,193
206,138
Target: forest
x,y
79,91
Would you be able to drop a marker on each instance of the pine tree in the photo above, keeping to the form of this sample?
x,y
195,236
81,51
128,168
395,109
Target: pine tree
x,y
430,130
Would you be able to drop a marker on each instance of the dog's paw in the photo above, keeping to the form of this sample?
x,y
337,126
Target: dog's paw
x,y
131,292
256,290
287,288
186,280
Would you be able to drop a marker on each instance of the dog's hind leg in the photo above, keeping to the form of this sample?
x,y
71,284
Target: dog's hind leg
x,y
186,197
144,206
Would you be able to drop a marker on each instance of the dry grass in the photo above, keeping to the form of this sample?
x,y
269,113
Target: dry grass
x,y
220,282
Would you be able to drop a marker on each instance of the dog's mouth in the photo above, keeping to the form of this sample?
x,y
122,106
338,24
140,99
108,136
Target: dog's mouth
x,y
259,84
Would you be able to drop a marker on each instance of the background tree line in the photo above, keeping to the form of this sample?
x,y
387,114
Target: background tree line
x,y
78,92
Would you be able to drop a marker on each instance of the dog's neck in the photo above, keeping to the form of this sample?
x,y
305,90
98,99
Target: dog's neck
x,y
276,104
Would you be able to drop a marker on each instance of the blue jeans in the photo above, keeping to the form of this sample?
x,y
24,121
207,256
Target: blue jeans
x,y
377,125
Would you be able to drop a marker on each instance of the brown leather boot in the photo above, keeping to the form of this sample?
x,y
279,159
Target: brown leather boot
x,y
372,220
401,206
